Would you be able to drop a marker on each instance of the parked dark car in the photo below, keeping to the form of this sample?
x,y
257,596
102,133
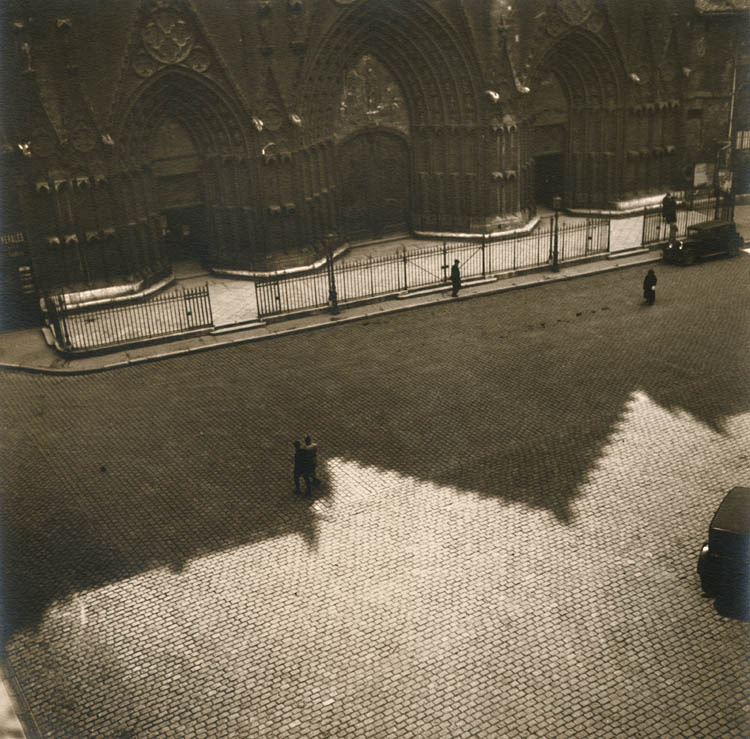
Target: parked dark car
x,y
705,240
724,560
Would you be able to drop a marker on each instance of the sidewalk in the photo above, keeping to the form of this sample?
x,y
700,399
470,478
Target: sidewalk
x,y
27,350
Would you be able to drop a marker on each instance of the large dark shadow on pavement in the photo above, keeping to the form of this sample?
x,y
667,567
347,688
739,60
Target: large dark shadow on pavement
x,y
511,396
131,482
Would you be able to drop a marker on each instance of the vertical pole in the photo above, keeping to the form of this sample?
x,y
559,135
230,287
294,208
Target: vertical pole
x,y
332,282
445,261
406,287
208,303
551,237
555,265
484,270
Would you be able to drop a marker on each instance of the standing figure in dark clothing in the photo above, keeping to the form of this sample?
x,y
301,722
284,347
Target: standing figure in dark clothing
x,y
300,468
673,232
311,459
649,287
455,279
669,208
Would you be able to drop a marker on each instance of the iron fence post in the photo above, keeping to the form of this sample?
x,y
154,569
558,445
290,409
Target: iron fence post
x,y
406,287
332,283
208,303
188,312
484,271
551,238
445,261
555,255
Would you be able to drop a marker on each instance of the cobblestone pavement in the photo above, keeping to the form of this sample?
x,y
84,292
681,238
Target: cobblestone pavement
x,y
515,490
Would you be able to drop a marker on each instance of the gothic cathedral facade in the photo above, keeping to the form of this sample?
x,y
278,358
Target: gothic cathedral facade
x,y
254,135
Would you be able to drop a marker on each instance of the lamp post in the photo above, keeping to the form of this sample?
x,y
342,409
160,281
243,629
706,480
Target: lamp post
x,y
557,205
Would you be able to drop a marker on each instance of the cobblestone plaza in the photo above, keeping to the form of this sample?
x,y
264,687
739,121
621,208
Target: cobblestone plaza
x,y
515,490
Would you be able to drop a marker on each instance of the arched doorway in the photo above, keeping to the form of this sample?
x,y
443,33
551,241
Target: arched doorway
x,y
183,150
372,129
375,199
549,134
434,62
573,115
176,165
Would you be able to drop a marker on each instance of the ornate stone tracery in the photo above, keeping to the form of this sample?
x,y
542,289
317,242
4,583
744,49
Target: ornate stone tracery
x,y
168,36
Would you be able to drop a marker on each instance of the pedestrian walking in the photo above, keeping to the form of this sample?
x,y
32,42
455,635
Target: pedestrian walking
x,y
455,279
669,208
311,459
649,287
300,468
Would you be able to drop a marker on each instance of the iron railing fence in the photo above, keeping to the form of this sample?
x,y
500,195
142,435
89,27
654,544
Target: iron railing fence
x,y
294,293
428,267
580,240
171,314
689,212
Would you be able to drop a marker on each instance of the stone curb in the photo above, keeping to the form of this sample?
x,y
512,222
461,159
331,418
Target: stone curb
x,y
18,720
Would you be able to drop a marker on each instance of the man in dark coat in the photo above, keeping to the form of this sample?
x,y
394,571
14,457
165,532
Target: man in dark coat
x,y
310,451
649,287
669,208
455,279
300,468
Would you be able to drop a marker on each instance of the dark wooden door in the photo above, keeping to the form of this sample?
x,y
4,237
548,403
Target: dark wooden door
x,y
548,178
186,233
374,171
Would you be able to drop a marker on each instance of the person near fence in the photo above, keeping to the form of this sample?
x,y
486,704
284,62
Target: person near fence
x,y
311,459
673,232
455,279
669,209
300,468
649,287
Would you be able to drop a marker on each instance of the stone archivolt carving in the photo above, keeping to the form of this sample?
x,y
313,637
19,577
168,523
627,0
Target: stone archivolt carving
x,y
371,97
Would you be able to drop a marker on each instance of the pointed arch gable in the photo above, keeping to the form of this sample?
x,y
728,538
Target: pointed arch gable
x,y
178,44
592,80
208,114
420,48
597,66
